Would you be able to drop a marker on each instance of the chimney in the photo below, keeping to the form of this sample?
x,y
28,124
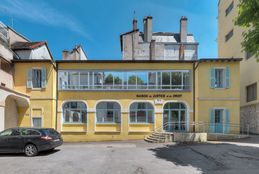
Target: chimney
x,y
181,52
135,24
147,28
73,54
64,55
152,49
183,29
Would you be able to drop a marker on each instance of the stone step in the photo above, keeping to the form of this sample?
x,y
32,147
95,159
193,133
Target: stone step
x,y
158,133
159,137
153,140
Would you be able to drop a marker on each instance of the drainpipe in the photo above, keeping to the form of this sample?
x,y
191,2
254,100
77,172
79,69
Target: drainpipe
x,y
56,118
195,66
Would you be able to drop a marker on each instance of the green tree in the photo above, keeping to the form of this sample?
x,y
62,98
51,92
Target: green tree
x,y
109,79
133,79
117,80
248,18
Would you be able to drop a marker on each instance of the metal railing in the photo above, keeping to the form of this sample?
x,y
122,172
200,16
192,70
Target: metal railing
x,y
201,126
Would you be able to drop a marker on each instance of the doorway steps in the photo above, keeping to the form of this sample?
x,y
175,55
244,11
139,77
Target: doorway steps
x,y
159,137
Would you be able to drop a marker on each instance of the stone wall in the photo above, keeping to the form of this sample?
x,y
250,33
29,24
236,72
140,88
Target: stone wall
x,y
249,118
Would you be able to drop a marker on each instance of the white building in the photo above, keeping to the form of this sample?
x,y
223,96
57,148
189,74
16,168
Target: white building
x,y
148,45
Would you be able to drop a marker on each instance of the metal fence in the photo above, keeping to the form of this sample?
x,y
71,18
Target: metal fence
x,y
207,127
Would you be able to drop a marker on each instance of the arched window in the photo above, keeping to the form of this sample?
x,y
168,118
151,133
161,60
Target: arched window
x,y
108,112
141,112
75,112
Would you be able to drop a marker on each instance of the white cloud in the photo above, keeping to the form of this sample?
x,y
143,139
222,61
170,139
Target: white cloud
x,y
41,12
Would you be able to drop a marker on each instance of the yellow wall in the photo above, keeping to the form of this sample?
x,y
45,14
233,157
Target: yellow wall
x,y
43,100
208,98
121,131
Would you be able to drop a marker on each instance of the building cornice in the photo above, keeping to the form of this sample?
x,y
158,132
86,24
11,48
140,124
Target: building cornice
x,y
152,61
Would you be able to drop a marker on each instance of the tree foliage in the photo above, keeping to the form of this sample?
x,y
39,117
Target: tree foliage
x,y
248,18
135,79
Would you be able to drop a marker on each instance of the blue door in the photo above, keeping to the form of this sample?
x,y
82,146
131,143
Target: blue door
x,y
216,120
219,121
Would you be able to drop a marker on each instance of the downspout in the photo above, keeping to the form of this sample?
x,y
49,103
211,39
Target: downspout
x,y
56,119
195,66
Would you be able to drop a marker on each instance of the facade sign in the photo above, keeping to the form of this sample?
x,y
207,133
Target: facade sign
x,y
159,96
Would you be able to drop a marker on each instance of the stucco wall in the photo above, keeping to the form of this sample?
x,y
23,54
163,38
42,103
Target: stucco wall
x,y
11,113
43,99
37,53
14,37
123,131
6,52
233,48
227,98
6,78
249,69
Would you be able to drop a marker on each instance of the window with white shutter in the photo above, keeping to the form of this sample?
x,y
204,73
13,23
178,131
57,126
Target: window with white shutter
x,y
37,78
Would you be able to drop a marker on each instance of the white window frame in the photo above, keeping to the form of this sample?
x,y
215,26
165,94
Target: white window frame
x,y
36,68
80,119
124,85
224,77
146,111
113,110
254,99
41,126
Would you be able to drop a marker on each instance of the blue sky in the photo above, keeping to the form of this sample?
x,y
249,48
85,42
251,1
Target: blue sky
x,y
97,24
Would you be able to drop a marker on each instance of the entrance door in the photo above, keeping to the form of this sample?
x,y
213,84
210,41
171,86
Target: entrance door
x,y
219,121
174,117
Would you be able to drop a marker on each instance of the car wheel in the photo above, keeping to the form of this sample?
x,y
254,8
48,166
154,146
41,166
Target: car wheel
x,y
30,150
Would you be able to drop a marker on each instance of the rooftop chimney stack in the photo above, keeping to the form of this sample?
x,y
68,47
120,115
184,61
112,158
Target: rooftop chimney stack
x,y
147,28
152,49
135,24
64,55
183,29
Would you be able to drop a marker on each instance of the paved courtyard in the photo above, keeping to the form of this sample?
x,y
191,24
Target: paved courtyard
x,y
139,157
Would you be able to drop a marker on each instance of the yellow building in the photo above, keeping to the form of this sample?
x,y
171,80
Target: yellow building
x,y
88,100
120,100
229,45
42,109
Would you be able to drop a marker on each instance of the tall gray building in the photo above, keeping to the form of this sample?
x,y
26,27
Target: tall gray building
x,y
148,45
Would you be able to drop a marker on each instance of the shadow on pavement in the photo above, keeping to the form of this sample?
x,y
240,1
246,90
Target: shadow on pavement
x,y
211,158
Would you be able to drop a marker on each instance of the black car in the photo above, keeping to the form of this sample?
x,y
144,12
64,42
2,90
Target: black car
x,y
29,140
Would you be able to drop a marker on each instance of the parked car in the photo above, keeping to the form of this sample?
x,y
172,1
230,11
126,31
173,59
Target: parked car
x,y
30,141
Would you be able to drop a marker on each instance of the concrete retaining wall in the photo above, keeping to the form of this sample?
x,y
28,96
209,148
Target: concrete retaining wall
x,y
190,137
218,137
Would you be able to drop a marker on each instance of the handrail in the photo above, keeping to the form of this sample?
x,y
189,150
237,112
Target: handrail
x,y
206,126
